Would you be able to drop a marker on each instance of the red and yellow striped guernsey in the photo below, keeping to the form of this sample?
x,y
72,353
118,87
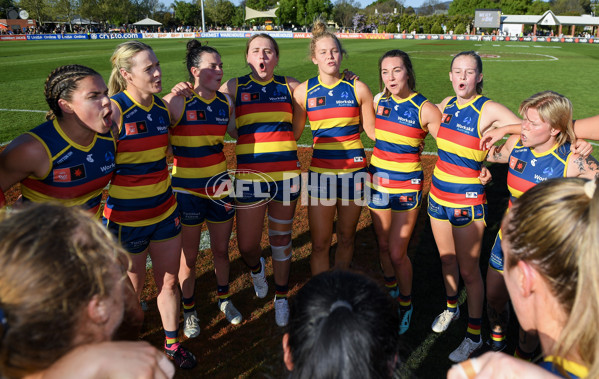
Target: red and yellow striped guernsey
x,y
266,149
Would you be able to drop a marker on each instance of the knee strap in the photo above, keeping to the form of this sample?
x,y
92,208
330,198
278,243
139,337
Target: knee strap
x,y
284,224
278,221
279,252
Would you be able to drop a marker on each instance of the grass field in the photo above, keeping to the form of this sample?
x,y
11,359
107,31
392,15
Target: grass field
x,y
513,71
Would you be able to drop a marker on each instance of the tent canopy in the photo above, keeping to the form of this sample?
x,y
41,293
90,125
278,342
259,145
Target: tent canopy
x,y
252,13
147,22
82,21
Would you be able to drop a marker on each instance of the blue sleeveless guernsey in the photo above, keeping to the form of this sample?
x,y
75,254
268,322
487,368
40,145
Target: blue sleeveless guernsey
x,y
199,166
77,174
266,149
140,192
334,115
455,181
527,168
395,162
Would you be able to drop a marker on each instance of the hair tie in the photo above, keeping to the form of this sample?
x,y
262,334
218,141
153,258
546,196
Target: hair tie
x,y
3,322
340,304
589,188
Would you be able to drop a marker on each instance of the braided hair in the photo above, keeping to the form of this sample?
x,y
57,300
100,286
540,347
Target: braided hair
x,y
61,83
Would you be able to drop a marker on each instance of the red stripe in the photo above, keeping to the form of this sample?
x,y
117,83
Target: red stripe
x,y
242,110
136,145
209,160
265,137
351,137
337,163
269,166
455,170
399,128
457,198
199,130
323,114
518,183
67,192
473,327
139,215
396,157
460,138
398,184
140,180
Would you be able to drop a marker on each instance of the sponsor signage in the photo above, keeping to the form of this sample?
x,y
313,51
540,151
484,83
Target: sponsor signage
x,y
116,35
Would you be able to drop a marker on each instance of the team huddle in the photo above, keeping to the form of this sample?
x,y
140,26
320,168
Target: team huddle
x,y
119,135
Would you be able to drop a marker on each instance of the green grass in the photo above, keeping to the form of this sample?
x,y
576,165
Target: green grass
x,y
520,70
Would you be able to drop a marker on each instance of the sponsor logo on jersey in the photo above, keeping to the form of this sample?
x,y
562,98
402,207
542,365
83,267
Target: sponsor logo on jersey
x,y
247,97
517,164
471,195
358,159
317,101
133,128
68,174
446,118
383,111
191,116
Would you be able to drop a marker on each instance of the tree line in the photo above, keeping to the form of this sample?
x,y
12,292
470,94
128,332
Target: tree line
x,y
381,15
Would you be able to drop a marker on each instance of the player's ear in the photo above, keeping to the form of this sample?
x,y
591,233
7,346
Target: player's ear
x,y
65,106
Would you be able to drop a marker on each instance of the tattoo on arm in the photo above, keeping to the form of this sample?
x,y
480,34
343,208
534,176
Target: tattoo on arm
x,y
580,164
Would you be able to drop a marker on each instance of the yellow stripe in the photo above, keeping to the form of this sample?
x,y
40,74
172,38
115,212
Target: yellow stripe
x,y
269,177
462,151
199,173
260,117
153,220
355,144
141,157
334,171
42,198
334,122
473,331
390,190
265,147
395,166
384,135
135,192
514,192
214,197
572,367
454,179
196,141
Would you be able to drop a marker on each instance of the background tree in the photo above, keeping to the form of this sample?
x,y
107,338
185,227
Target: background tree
x,y
567,7
38,9
220,12
63,10
187,13
538,7
344,11
5,6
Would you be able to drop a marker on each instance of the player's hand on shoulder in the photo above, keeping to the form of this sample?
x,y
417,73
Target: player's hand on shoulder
x,y
184,89
581,147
